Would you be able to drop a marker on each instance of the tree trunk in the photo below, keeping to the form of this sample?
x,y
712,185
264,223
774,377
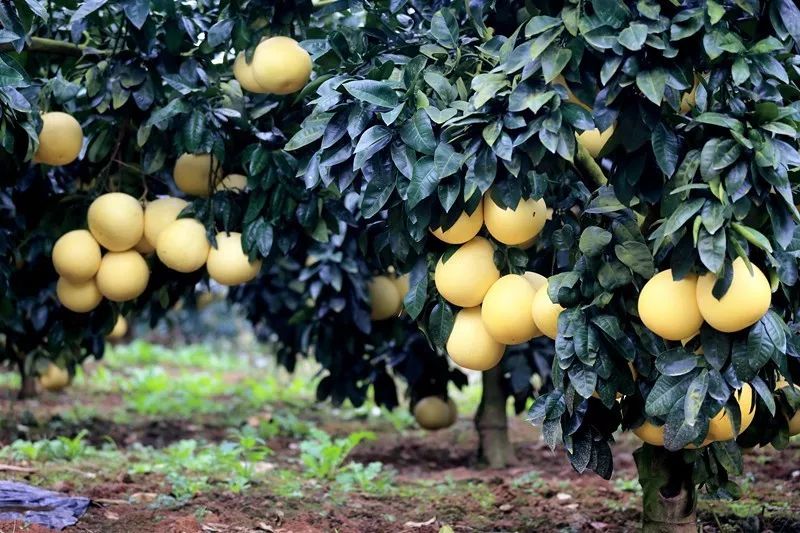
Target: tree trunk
x,y
28,387
494,447
669,499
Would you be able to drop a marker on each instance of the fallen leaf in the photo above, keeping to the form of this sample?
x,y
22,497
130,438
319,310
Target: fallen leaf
x,y
506,507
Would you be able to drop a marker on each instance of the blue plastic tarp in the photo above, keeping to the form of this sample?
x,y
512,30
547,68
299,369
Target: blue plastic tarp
x,y
33,505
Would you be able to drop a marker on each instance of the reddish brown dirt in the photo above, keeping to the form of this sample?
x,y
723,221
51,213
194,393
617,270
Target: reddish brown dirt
x,y
437,478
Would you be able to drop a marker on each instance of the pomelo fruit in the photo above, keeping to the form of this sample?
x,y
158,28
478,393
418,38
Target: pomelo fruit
x,y
545,313
720,427
505,310
746,301
76,256
467,274
434,413
668,308
515,226
183,245
123,276
384,299
281,66
228,264
197,174
465,228
79,297
60,140
470,345
158,214
116,221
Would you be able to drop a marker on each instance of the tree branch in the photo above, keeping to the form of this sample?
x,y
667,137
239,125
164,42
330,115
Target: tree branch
x,y
587,163
53,46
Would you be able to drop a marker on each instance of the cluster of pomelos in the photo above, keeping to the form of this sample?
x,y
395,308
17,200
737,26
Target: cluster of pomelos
x,y
386,295
279,66
676,309
496,311
107,260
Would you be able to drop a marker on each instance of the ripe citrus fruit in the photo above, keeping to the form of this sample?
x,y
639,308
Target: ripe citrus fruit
x,y
650,433
76,256
669,308
60,140
515,226
281,66
233,182
505,310
745,302
545,313
720,427
158,214
467,274
537,281
384,299
465,228
594,141
123,276
116,221
197,174
183,245
54,378
470,345
434,413
80,297
120,329
228,264
401,283
243,72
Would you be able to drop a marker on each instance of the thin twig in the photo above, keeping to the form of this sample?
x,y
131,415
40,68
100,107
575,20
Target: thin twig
x,y
13,468
587,163
54,46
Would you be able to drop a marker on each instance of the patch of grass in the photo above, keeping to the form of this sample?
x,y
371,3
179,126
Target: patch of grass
x,y
530,482
481,494
10,380
628,485
58,449
324,456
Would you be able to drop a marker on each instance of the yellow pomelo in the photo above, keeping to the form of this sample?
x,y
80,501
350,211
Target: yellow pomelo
x,y
746,301
281,66
470,345
243,72
650,433
545,313
158,214
537,281
384,299
123,276
594,141
76,256
720,427
571,97
54,378
505,310
466,276
144,247
401,283
669,308
120,329
228,264
434,413
688,100
116,221
515,226
233,182
60,140
183,245
465,228
80,297
197,174
794,421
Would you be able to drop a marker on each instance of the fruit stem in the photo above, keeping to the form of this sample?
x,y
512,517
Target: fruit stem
x,y
587,163
54,46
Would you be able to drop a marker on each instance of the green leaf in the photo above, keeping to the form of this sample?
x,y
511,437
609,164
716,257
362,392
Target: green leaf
x,y
440,324
583,378
416,297
312,130
759,346
636,256
681,215
417,133
593,241
711,248
423,182
665,148
553,62
373,92
652,83
446,160
440,86
444,28
540,24
676,362
633,37
667,391
695,396
258,236
486,86
752,236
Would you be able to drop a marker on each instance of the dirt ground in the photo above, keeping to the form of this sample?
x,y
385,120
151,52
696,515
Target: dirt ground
x,y
436,484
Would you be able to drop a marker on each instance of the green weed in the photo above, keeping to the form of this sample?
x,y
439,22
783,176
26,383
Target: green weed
x,y
324,456
58,449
